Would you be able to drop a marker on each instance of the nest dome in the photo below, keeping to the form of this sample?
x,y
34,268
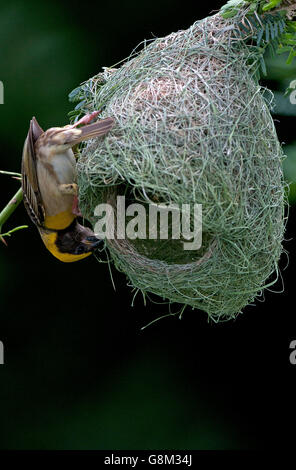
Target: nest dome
x,y
192,126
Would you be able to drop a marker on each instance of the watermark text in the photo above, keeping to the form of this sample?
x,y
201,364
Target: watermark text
x,y
1,353
292,356
1,93
157,221
293,93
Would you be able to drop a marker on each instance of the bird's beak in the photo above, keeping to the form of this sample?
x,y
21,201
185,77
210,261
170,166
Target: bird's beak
x,y
92,242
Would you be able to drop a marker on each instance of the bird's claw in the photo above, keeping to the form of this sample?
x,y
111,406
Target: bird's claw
x,y
70,189
75,207
3,240
86,119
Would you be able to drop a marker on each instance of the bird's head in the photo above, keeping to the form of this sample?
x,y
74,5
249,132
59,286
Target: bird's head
x,y
71,244
61,139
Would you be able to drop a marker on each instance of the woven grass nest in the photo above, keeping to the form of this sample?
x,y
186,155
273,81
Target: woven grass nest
x,y
192,126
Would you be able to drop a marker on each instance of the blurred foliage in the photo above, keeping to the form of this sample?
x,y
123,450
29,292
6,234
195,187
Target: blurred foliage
x,y
280,76
290,170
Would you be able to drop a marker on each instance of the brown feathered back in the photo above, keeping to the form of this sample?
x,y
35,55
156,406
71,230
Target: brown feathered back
x,y
31,192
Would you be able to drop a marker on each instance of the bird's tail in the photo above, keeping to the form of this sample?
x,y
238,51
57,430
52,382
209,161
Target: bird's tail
x,y
96,129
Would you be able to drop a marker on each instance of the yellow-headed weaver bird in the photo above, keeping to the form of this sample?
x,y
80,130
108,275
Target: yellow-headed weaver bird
x,y
49,185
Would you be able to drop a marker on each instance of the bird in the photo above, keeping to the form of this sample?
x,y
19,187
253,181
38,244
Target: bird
x,y
49,185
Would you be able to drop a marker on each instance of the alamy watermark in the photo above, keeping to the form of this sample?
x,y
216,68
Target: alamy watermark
x,y
293,93
150,222
292,356
1,353
1,93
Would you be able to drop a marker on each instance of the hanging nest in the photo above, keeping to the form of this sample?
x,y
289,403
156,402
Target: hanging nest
x,y
192,126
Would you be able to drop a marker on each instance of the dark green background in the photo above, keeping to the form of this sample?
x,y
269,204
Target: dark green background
x,y
79,373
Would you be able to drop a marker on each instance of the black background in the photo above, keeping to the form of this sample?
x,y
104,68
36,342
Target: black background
x,y
79,372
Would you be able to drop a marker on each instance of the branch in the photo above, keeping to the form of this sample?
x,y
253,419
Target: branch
x,y
8,211
11,173
11,206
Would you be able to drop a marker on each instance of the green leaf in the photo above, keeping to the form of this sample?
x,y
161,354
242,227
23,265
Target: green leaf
x,y
232,4
283,49
263,66
231,8
275,29
253,7
244,28
229,14
73,95
270,25
291,56
254,21
291,25
290,42
267,32
272,4
282,26
79,105
260,36
272,49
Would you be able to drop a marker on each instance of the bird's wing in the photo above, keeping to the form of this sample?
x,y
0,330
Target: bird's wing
x,y
32,196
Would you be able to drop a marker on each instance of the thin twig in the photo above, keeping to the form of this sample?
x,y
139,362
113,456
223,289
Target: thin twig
x,y
11,173
8,234
8,211
11,206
